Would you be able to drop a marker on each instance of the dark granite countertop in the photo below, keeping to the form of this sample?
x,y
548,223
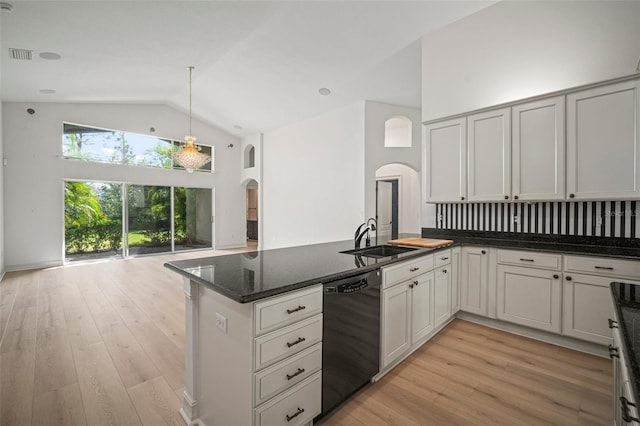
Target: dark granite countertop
x,y
626,298
625,248
250,276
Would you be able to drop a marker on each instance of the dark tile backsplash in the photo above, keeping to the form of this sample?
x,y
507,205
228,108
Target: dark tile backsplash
x,y
618,219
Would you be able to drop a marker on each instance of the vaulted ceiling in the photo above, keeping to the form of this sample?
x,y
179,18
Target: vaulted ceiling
x,y
258,64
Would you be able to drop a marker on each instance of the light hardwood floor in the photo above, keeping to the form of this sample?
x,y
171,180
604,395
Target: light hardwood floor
x,y
473,375
104,343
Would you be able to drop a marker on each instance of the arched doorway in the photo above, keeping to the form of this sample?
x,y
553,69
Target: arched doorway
x,y
252,213
397,200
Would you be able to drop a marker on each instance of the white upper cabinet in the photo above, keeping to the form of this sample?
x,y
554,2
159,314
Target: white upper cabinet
x,y
603,148
489,150
445,167
538,150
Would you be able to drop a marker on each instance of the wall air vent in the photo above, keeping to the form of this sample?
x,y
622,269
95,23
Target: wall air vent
x,y
20,54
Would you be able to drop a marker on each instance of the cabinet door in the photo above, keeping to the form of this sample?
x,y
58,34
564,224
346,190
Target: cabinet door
x,y
538,150
396,323
421,307
587,307
442,295
603,147
444,156
473,280
489,150
455,280
530,297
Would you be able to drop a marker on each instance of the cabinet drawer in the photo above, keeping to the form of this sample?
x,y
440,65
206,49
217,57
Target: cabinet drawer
x,y
287,373
283,310
603,266
403,271
530,259
442,258
297,406
287,341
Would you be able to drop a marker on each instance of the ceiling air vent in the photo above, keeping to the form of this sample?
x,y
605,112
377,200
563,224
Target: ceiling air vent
x,y
20,54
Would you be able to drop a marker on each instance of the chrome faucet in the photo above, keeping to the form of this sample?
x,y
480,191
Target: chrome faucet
x,y
362,231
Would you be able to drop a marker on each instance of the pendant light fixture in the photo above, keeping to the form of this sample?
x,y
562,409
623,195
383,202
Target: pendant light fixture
x,y
189,155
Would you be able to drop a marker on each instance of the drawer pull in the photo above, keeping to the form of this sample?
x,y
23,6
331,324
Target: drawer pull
x,y
526,260
299,308
612,323
414,269
444,271
296,414
556,276
444,258
410,285
613,352
297,373
626,411
606,268
300,340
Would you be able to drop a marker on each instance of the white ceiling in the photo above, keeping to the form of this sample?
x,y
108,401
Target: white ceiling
x,y
259,64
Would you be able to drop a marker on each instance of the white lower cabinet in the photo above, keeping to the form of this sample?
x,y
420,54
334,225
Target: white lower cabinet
x,y
455,279
442,295
473,280
421,306
298,406
587,296
396,323
530,297
263,367
407,316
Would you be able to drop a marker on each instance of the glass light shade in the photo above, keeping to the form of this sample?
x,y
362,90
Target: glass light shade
x,y
190,156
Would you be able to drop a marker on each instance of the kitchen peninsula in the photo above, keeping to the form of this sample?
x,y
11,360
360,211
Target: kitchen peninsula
x,y
255,330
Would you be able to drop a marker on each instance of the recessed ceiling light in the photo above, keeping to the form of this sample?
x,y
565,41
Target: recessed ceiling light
x,y
324,91
47,91
50,56
237,126
6,7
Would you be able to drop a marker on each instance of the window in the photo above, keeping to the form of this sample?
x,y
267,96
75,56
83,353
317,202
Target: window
x,y
111,146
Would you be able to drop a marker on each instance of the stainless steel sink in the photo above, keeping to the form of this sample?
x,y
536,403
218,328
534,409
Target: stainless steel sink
x,y
379,251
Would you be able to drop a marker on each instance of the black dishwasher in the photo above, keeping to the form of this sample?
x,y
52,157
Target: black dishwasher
x,y
351,336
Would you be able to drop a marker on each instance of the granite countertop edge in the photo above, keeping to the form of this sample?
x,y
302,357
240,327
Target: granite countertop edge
x,y
629,253
263,294
632,367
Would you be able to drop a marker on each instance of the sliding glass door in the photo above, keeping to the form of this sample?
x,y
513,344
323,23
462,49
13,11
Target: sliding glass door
x,y
103,220
192,218
92,220
148,219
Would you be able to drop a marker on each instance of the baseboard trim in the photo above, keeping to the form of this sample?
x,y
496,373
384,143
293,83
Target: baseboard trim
x,y
554,339
31,266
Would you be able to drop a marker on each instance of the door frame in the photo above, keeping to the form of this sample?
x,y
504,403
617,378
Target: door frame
x,y
397,178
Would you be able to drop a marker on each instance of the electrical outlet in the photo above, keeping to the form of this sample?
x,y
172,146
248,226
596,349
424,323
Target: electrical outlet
x,y
516,219
598,221
440,218
221,322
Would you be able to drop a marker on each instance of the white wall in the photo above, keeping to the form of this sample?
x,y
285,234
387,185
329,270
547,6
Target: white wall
x,y
409,195
517,49
313,179
378,155
35,172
